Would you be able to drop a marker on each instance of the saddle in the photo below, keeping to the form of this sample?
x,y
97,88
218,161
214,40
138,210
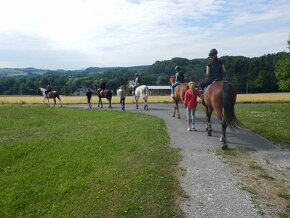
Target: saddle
x,y
49,93
102,93
207,87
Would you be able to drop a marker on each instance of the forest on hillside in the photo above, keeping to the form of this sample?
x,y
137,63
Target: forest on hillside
x,y
249,75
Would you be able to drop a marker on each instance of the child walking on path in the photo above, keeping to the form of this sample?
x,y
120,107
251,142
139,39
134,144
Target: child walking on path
x,y
190,103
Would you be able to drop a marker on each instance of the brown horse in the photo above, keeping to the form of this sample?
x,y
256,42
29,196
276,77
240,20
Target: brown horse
x,y
104,94
178,95
221,96
52,94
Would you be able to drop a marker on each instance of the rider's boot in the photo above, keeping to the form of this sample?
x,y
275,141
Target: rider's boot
x,y
201,95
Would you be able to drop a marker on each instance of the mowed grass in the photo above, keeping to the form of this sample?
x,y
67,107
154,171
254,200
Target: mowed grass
x,y
61,162
241,98
270,121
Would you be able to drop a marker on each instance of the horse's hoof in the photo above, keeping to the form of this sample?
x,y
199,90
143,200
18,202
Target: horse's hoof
x,y
225,147
178,117
173,115
208,133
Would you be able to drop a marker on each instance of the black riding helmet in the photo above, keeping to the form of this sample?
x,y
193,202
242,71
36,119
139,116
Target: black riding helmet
x,y
177,68
212,52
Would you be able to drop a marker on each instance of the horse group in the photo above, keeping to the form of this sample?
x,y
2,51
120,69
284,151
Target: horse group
x,y
140,92
220,97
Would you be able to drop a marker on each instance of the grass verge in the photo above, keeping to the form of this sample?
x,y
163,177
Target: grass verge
x,y
58,162
270,121
267,183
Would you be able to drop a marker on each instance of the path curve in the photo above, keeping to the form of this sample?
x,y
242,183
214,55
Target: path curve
x,y
212,190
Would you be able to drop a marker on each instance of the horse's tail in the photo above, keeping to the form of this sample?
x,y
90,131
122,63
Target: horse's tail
x,y
146,92
229,100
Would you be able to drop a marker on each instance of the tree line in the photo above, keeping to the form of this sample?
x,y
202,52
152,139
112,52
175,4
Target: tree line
x,y
268,73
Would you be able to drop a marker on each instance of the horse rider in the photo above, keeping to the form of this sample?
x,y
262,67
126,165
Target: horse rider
x,y
215,70
179,78
137,82
48,89
102,87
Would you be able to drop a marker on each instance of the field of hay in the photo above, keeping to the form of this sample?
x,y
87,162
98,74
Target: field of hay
x,y
242,98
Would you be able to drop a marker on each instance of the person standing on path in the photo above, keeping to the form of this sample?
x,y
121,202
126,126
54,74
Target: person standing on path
x,y
190,103
89,96
122,94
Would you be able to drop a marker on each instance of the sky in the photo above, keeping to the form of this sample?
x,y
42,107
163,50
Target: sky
x,y
76,34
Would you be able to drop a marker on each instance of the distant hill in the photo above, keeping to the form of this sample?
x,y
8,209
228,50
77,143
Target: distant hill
x,y
20,71
11,72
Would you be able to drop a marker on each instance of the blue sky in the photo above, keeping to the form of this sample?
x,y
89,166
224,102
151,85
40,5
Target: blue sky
x,y
74,34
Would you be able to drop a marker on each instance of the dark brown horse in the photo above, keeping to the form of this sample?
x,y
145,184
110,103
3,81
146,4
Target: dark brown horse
x,y
53,95
104,94
220,96
178,95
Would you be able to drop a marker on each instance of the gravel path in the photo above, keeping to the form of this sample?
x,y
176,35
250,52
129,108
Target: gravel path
x,y
212,190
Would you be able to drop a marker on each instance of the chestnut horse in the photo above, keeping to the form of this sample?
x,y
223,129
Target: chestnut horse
x,y
220,96
178,95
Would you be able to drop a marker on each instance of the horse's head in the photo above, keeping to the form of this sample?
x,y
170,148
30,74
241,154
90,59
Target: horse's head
x,y
131,84
42,90
172,79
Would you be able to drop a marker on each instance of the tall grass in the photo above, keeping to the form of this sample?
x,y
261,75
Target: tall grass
x,y
57,162
241,98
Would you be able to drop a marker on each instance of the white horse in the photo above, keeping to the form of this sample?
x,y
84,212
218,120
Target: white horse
x,y
141,91
52,94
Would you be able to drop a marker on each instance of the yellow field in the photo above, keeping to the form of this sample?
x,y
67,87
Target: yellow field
x,y
242,98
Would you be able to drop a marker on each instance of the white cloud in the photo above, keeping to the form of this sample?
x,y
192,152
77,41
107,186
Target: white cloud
x,y
86,33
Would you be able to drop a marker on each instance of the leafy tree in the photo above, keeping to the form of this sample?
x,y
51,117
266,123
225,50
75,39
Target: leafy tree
x,y
282,71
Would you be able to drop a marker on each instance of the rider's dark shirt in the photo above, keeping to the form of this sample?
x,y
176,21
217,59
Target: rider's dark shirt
x,y
102,85
49,88
216,70
179,77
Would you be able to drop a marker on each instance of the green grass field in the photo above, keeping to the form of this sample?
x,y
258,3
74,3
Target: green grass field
x,y
270,121
60,162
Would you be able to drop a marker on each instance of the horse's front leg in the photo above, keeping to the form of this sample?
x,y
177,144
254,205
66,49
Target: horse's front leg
x,y
208,112
54,102
47,100
100,103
